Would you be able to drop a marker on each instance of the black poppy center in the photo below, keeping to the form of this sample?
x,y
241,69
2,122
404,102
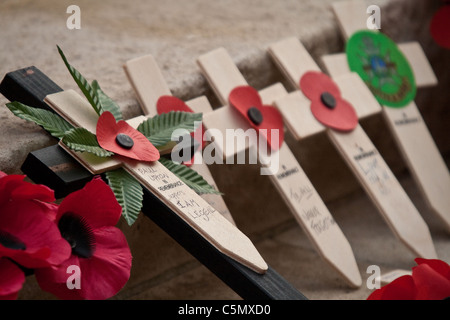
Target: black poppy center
x,y
124,141
255,115
78,233
12,242
328,100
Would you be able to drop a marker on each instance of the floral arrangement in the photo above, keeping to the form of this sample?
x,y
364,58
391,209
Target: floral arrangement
x,y
74,248
430,280
116,138
52,241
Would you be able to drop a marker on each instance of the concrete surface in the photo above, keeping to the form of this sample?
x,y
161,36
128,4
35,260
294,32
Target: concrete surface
x,y
176,33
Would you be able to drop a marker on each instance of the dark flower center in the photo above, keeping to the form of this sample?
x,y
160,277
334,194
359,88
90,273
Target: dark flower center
x,y
328,100
9,241
124,141
78,233
255,115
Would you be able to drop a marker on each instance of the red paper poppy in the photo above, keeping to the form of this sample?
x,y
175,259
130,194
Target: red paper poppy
x,y
327,105
12,279
248,103
166,104
440,26
27,235
430,280
87,219
14,188
121,138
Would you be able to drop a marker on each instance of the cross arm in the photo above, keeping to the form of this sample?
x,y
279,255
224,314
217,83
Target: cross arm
x,y
336,64
294,60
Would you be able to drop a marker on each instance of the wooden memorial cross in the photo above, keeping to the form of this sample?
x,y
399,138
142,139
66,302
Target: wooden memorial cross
x,y
354,145
149,85
289,178
406,124
243,270
163,183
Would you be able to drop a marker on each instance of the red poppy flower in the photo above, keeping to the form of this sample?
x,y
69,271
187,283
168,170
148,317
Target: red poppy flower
x,y
430,280
248,103
440,26
327,105
87,219
11,279
121,138
27,235
14,188
165,104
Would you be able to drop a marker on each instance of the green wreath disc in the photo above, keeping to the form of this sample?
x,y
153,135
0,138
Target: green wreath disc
x,y
382,66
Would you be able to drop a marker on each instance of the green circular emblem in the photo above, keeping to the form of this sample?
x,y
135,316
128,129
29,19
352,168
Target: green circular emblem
x,y
381,65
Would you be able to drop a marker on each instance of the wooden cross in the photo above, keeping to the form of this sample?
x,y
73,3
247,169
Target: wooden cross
x,y
149,85
412,136
291,181
355,146
55,167
163,183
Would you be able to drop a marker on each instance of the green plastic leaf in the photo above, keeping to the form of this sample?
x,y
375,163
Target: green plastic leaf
x,y
159,128
106,103
80,139
128,192
83,84
51,122
93,93
190,177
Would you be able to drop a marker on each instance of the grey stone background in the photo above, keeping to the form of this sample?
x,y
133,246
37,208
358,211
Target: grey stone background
x,y
176,33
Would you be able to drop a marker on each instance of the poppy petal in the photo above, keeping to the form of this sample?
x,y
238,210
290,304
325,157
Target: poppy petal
x,y
430,284
314,83
11,279
33,191
166,104
437,265
102,275
243,98
27,223
107,131
8,184
50,209
13,187
95,202
108,270
54,279
377,294
274,123
440,27
402,288
343,117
